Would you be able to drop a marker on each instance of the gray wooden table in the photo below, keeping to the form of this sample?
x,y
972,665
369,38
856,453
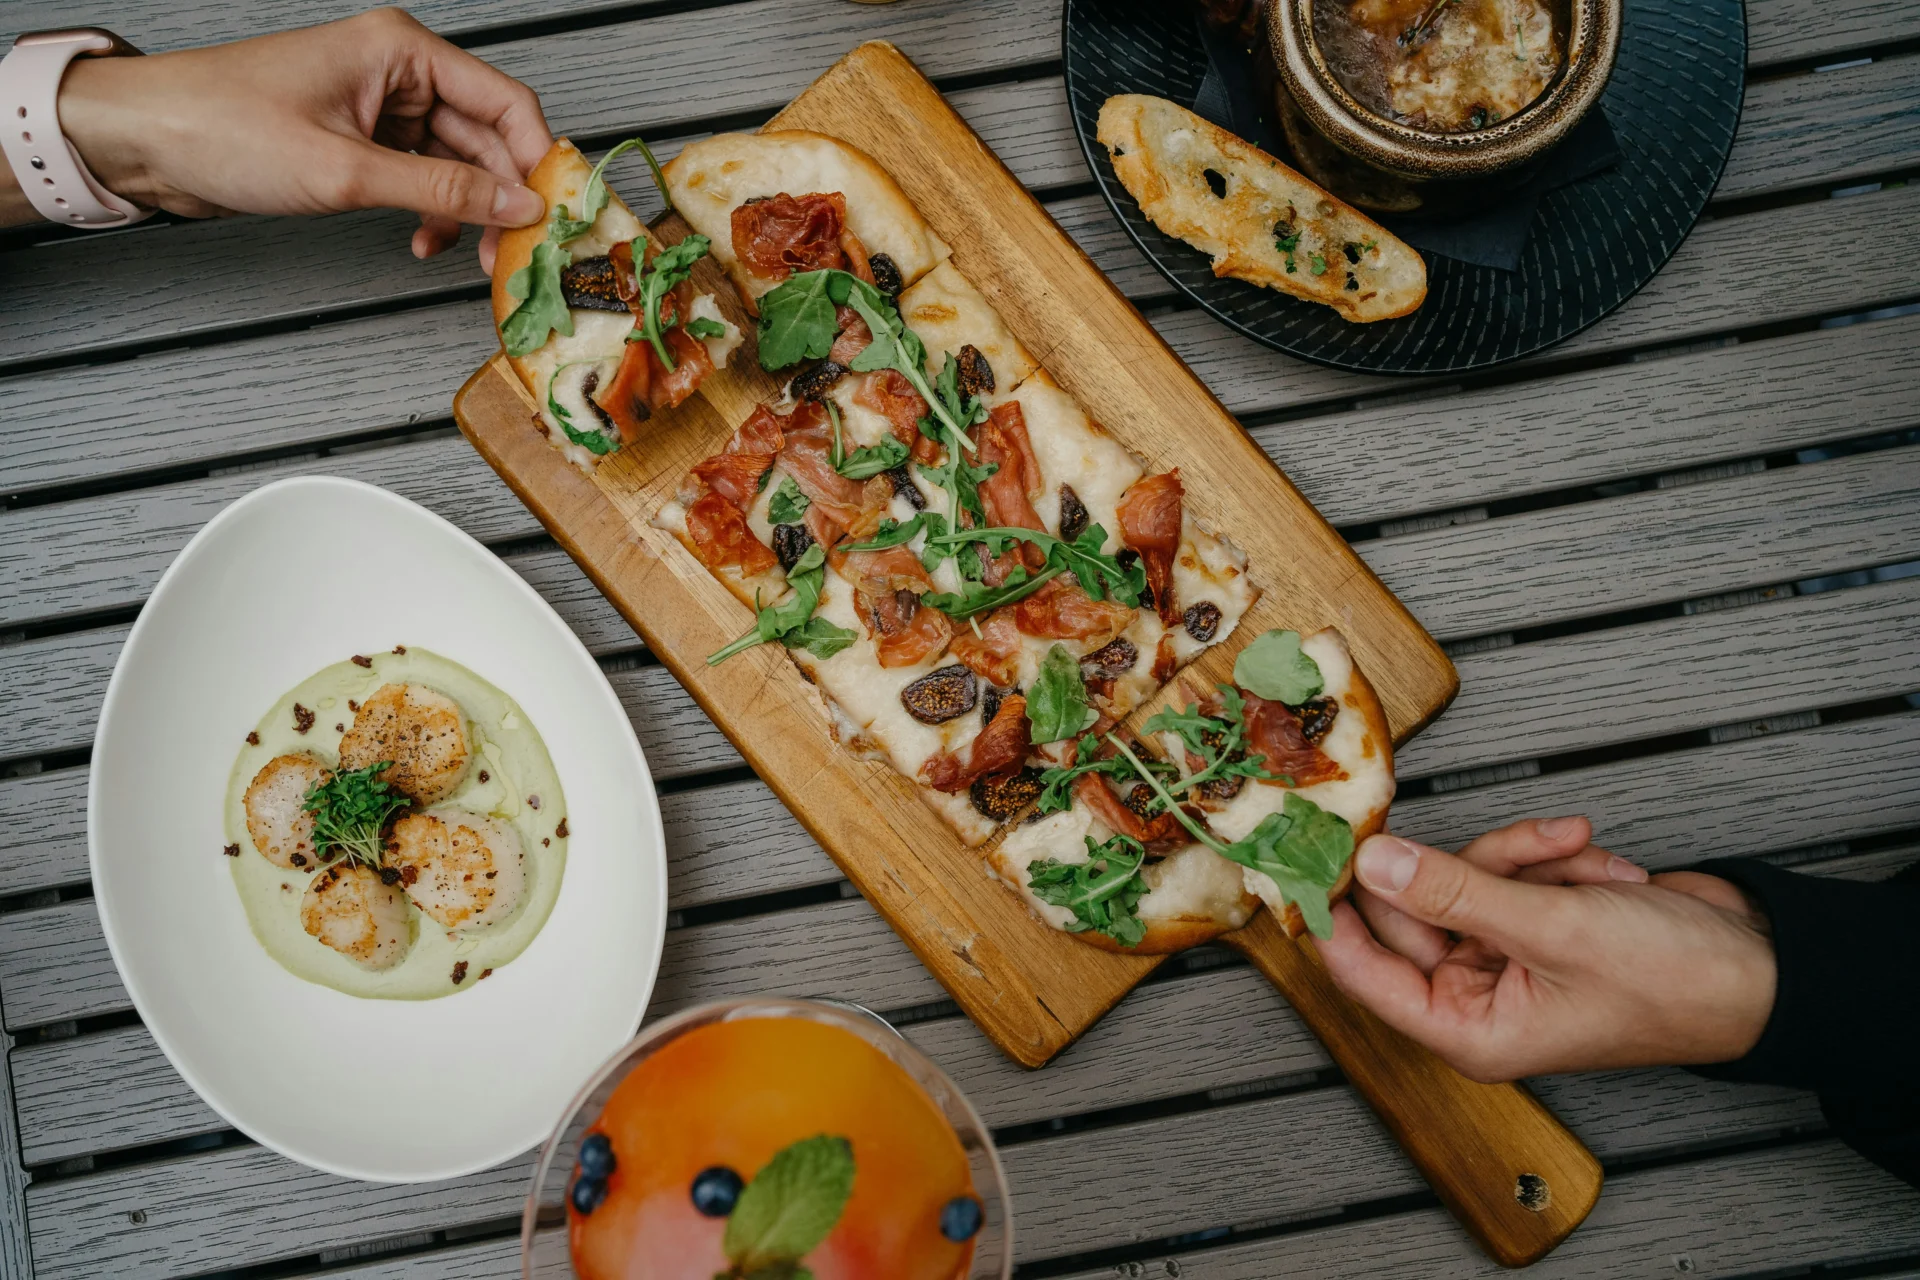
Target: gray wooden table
x,y
1671,558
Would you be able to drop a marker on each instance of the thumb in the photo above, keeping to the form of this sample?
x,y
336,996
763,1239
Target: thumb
x,y
435,187
1453,894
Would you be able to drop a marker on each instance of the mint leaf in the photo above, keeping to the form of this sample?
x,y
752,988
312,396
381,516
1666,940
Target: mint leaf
x,y
864,464
1303,848
543,305
1103,892
1274,667
1057,705
791,1205
788,504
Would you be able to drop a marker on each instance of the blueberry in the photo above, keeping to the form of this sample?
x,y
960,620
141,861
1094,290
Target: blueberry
x,y
587,1194
596,1155
960,1218
715,1190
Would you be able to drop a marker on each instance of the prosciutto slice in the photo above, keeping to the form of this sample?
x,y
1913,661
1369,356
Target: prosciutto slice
x,y
782,234
998,750
643,385
887,585
1062,611
1274,731
1160,833
994,654
1007,495
721,538
888,393
806,454
1150,517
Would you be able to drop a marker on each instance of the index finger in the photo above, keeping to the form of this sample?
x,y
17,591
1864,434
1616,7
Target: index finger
x,y
489,96
1387,983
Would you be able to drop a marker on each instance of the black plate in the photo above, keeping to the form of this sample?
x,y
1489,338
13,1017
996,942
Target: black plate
x,y
1673,102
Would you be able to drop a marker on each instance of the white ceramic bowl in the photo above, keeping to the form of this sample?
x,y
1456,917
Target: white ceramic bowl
x,y
290,578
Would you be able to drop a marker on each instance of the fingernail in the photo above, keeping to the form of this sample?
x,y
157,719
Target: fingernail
x,y
517,206
1386,864
1559,828
1619,868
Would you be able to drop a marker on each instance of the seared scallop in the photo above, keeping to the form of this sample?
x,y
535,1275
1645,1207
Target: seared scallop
x,y
421,730
350,908
277,818
463,869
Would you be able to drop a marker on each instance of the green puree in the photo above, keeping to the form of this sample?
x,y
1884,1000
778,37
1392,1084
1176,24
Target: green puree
x,y
504,745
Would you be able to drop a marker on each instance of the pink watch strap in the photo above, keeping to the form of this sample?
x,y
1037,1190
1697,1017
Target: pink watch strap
x,y
50,171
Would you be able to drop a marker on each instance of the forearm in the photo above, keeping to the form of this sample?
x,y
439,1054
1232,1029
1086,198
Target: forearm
x,y
1846,1016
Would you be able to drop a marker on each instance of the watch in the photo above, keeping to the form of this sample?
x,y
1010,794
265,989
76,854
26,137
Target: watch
x,y
49,169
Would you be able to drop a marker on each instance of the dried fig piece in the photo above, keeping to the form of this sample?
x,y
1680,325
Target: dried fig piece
x,y
940,696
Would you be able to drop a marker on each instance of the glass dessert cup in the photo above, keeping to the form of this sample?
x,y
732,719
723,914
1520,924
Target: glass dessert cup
x,y
745,1083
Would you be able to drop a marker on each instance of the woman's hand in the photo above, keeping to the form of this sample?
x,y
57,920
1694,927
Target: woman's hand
x,y
1534,951
315,121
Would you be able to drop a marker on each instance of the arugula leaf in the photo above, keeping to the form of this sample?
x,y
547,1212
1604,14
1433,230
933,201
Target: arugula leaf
x,y
1103,892
669,267
593,197
797,320
961,479
543,305
837,449
1274,667
349,811
868,462
599,441
819,637
705,327
788,504
1057,704
791,1205
1305,867
792,622
896,533
1099,574
1302,849
1197,733
1056,784
974,597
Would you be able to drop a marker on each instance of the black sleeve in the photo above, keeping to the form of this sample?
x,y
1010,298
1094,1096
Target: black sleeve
x,y
1846,1015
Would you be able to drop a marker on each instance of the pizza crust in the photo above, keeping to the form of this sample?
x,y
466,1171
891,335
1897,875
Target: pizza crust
x,y
711,178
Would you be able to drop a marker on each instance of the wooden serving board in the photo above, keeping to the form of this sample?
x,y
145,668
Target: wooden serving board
x,y
1030,988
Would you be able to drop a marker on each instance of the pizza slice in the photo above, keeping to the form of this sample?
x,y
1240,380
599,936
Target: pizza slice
x,y
787,202
1260,792
599,319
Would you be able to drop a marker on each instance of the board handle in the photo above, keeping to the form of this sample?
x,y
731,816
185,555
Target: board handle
x,y
1513,1175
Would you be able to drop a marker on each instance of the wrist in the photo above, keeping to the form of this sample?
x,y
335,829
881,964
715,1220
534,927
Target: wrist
x,y
100,115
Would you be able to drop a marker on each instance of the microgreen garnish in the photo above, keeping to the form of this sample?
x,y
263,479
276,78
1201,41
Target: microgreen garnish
x,y
1287,244
1302,848
791,621
1274,667
1057,705
1318,263
350,810
788,504
1103,892
789,1207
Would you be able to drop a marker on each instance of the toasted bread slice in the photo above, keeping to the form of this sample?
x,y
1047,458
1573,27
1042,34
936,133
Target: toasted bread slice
x,y
1257,219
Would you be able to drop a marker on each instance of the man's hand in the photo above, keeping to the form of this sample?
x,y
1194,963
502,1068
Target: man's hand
x,y
1533,951
369,112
